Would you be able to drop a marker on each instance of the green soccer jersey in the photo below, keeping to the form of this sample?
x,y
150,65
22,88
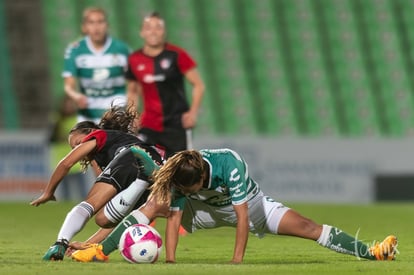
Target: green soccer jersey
x,y
100,74
229,181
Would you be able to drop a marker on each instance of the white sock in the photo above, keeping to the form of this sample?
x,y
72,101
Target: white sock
x,y
120,205
324,237
75,220
140,217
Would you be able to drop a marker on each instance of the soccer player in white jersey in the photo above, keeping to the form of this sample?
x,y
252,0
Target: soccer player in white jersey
x,y
213,188
94,68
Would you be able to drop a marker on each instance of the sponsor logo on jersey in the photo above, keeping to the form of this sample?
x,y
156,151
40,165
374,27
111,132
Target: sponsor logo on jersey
x,y
100,74
140,67
219,200
238,193
151,78
234,176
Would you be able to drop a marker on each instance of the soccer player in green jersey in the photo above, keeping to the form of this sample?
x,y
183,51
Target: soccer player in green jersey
x,y
94,68
213,188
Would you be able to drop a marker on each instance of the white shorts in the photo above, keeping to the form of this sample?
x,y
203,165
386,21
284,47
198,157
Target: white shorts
x,y
264,215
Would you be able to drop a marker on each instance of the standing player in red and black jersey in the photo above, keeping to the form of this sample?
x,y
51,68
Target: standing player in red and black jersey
x,y
157,72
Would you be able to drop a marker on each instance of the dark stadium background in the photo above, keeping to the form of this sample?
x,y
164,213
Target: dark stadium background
x,y
277,72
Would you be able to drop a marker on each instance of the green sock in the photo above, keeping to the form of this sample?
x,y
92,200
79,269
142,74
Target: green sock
x,y
112,240
339,241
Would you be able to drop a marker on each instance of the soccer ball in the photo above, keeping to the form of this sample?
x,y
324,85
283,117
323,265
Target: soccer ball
x,y
140,243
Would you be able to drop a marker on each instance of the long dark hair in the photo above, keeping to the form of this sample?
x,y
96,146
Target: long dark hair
x,y
119,118
116,118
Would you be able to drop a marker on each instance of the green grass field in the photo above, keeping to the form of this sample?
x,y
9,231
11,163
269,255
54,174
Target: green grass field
x,y
26,232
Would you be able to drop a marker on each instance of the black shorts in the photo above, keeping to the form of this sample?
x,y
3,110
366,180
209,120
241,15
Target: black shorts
x,y
172,140
121,171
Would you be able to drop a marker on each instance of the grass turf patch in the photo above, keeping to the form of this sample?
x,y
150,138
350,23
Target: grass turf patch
x,y
26,232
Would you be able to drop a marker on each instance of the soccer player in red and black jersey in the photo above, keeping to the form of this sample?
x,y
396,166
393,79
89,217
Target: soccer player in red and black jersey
x,y
157,73
122,184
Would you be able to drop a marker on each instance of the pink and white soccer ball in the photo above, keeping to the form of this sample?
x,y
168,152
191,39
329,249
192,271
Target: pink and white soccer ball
x,y
140,243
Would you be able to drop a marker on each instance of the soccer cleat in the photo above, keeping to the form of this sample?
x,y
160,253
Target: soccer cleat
x,y
91,254
385,250
57,251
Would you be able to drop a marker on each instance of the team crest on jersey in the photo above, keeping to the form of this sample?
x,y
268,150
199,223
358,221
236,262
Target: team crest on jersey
x,y
165,63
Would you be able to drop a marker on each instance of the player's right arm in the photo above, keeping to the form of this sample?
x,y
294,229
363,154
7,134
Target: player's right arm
x,y
70,84
171,235
242,232
63,168
70,73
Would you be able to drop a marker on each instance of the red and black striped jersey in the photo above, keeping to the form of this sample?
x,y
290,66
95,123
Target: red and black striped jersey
x,y
163,86
108,143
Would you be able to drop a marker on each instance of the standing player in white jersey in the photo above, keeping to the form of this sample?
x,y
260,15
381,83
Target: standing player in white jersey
x,y
94,68
213,188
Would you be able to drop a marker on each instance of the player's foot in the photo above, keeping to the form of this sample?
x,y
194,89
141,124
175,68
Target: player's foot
x,y
153,223
57,251
91,254
182,231
385,250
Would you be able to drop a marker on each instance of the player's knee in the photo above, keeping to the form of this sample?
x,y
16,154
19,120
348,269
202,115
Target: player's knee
x,y
102,221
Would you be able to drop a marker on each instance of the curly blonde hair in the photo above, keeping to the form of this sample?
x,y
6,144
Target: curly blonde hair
x,y
184,169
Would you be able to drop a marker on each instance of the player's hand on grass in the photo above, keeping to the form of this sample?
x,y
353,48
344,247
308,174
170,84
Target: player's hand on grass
x,y
69,251
43,199
79,245
73,246
233,261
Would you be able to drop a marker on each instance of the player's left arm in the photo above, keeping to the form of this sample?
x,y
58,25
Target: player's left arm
x,y
171,235
189,119
242,232
134,94
236,182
